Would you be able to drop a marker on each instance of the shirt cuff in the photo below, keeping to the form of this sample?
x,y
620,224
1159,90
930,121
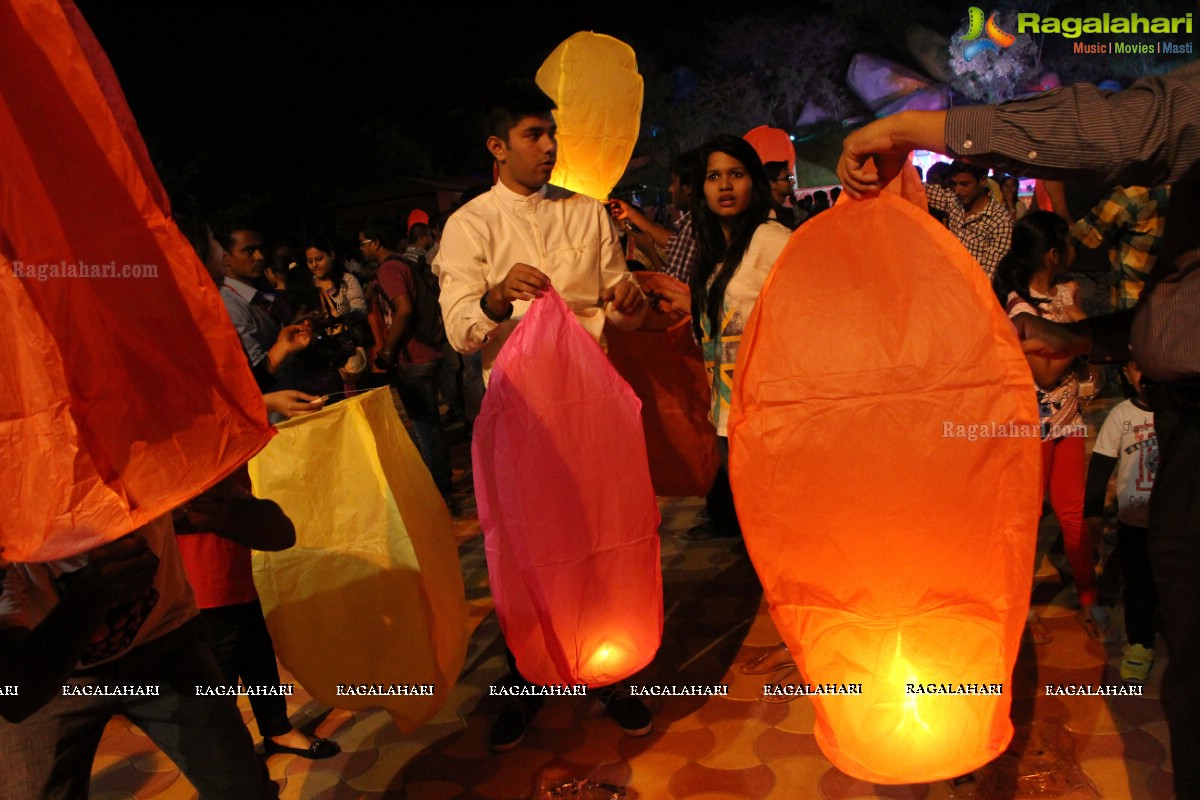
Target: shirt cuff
x,y
969,130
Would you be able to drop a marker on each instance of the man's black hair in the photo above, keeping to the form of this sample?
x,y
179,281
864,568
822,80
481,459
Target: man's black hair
x,y
510,102
418,230
938,173
775,169
225,233
687,166
974,170
382,231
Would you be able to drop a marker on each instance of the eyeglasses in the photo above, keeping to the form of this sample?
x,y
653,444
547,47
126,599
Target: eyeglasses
x,y
364,242
788,179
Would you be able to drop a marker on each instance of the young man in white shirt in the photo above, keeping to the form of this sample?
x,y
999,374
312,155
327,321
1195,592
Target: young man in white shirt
x,y
502,250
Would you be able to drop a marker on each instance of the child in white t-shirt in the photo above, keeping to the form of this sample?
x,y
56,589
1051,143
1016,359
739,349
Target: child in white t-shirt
x,y
1127,442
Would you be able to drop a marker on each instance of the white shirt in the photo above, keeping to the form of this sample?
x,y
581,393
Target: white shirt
x,y
568,236
1128,436
740,296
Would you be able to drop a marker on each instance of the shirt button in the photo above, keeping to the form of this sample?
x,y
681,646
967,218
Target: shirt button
x,y
1033,154
967,144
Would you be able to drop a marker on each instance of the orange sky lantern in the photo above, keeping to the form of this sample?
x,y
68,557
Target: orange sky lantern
x,y
125,389
885,465
594,80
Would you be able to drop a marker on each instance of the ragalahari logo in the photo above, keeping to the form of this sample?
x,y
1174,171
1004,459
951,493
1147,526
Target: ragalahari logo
x,y
996,40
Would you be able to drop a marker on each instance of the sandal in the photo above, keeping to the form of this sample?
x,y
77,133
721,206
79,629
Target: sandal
x,y
776,658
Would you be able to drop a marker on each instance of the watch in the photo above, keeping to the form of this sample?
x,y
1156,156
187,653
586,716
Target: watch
x,y
487,310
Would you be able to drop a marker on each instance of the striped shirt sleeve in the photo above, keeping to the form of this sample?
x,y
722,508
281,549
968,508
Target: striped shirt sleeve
x,y
1145,135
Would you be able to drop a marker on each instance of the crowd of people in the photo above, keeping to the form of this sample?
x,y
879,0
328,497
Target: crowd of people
x,y
313,333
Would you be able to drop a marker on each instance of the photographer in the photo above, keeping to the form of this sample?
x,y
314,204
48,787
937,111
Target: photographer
x,y
331,300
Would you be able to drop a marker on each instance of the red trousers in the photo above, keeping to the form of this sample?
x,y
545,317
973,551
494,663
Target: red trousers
x,y
1063,474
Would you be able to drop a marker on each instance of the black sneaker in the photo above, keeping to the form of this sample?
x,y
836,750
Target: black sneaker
x,y
630,713
509,729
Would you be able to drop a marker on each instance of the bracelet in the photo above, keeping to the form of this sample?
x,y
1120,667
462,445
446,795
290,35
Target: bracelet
x,y
487,310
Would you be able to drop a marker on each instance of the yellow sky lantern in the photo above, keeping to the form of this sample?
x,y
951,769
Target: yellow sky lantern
x,y
594,80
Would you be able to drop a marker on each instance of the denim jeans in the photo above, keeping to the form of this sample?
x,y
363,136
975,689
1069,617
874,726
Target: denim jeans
x,y
417,385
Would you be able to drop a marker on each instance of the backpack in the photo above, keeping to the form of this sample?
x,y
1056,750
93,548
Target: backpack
x,y
426,324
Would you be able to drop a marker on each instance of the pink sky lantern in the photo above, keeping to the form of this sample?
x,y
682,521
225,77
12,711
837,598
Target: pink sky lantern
x,y
572,542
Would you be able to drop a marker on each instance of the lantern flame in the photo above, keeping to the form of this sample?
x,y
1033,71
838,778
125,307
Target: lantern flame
x,y
902,674
607,660
909,723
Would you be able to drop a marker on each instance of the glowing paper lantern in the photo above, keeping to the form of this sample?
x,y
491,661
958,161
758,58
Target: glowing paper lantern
x,y
894,546
126,391
372,592
567,509
665,368
772,144
594,80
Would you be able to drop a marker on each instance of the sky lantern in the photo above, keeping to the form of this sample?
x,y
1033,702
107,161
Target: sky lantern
x,y
895,408
125,389
665,368
572,543
415,216
594,80
372,593
772,144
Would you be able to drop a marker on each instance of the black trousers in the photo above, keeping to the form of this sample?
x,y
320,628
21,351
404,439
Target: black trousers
x,y
49,755
242,647
722,515
1175,559
1138,592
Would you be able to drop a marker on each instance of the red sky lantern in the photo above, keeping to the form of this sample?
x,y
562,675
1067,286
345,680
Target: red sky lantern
x,y
126,391
772,144
415,216
885,466
665,368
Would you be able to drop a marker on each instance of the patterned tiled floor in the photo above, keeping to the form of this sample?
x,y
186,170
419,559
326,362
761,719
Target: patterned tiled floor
x,y
716,748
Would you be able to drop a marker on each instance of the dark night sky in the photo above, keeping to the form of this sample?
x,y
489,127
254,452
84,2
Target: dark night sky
x,y
266,93
269,97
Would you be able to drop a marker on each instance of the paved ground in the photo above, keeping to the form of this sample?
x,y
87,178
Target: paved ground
x,y
717,748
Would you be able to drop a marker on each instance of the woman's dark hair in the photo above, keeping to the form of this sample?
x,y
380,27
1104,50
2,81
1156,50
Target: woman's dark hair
x,y
302,293
325,246
1035,234
712,248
